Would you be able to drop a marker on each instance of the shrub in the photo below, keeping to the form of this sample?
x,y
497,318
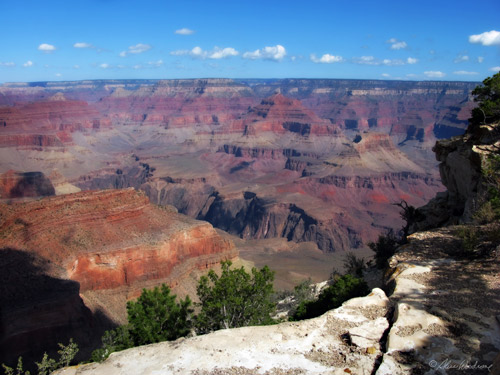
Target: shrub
x,y
235,298
113,341
384,248
156,316
344,288
353,265
66,354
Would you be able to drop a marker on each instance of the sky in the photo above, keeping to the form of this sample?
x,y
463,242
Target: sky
x,y
151,39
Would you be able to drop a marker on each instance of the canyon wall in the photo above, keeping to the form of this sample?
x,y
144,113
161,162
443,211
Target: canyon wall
x,y
71,262
340,151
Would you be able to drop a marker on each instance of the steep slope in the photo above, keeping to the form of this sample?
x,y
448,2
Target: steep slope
x,y
97,249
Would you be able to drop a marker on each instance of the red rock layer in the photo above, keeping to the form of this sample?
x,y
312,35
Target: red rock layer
x,y
279,114
107,239
57,250
47,123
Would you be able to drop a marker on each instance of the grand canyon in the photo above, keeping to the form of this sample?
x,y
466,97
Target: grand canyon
x,y
111,186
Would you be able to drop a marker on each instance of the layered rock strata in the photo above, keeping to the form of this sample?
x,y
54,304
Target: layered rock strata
x,y
98,248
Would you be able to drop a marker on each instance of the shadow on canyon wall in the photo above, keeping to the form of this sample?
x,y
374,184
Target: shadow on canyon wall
x,y
38,311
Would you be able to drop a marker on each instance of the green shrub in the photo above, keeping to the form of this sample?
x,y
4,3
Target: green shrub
x,y
156,316
66,354
113,341
470,239
353,265
235,298
384,248
344,288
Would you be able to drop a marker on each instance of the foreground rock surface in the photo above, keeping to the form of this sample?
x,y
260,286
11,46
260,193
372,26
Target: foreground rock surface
x,y
445,307
316,346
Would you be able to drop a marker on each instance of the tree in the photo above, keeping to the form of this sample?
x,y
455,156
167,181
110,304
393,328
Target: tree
x,y
488,97
235,298
384,248
113,341
156,316
353,265
410,215
344,288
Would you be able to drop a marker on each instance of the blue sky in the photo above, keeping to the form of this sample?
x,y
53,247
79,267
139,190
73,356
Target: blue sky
x,y
98,39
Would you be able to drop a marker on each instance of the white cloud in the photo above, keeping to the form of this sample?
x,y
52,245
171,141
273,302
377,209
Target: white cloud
x,y
411,75
138,48
465,73
386,75
83,45
397,44
28,63
461,58
216,53
327,59
58,75
138,66
76,66
184,31
488,38
219,53
9,64
180,52
434,74
155,64
47,48
480,59
367,60
276,53
495,69
104,66
370,60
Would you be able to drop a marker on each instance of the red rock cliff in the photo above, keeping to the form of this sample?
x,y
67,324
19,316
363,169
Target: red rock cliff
x,y
97,249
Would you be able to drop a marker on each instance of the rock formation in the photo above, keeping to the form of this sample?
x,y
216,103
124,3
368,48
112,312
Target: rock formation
x,y
345,340
339,151
28,184
71,262
446,307
462,161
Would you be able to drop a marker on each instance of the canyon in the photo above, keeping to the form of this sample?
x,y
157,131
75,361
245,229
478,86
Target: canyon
x,y
304,160
125,168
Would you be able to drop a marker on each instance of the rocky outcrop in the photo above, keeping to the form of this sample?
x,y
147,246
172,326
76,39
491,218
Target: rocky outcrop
x,y
87,253
25,184
446,307
462,162
345,340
